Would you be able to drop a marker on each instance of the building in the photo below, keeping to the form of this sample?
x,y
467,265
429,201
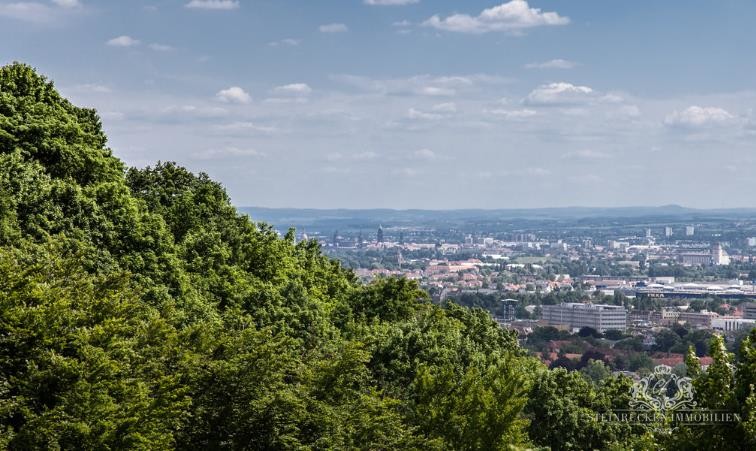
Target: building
x,y
695,259
718,255
510,309
700,320
668,231
752,241
575,315
749,310
731,324
690,231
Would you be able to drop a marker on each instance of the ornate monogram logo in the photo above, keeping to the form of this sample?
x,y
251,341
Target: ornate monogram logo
x,y
663,391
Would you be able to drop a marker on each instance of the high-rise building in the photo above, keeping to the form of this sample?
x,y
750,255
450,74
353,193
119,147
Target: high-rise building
x,y
690,231
510,309
668,231
718,255
648,233
576,315
752,241
380,234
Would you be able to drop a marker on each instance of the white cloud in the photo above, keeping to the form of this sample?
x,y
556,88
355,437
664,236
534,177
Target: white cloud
x,y
123,41
422,85
537,172
67,3
192,112
92,87
553,64
228,152
585,154
362,156
288,42
37,12
26,11
514,17
699,117
234,94
298,89
415,114
424,154
333,28
436,91
242,126
448,107
213,4
405,172
513,114
390,2
161,47
560,94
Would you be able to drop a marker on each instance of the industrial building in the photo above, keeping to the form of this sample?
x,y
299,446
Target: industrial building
x,y
575,315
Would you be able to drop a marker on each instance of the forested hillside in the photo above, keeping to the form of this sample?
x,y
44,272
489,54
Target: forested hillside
x,y
139,310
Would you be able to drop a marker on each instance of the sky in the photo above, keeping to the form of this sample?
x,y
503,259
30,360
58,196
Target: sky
x,y
433,104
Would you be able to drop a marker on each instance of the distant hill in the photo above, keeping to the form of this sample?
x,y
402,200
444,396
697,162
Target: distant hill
x,y
304,217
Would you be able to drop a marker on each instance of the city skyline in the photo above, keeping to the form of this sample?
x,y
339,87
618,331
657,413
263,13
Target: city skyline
x,y
412,103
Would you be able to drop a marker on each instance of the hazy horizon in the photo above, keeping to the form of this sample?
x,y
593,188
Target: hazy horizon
x,y
415,104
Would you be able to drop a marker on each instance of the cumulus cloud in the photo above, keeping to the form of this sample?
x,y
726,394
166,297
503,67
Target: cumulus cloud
x,y
421,85
390,2
297,89
161,47
560,94
176,112
246,127
552,64
213,4
448,107
227,152
585,154
699,117
93,88
416,114
512,114
67,3
333,28
123,41
514,17
537,172
234,94
288,42
37,12
424,154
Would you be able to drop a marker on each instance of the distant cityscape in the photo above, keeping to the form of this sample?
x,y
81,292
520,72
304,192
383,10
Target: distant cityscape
x,y
634,277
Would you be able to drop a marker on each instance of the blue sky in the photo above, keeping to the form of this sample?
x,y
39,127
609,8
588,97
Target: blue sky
x,y
416,103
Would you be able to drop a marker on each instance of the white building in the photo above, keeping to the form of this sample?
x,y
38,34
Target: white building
x,y
668,231
576,315
718,255
690,231
731,324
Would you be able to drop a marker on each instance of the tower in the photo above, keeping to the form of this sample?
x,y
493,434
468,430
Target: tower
x,y
380,234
